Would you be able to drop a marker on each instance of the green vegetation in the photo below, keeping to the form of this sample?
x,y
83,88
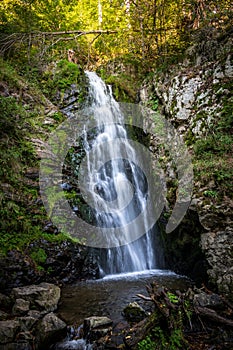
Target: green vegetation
x,y
21,217
213,152
145,30
147,344
61,78
125,41
165,327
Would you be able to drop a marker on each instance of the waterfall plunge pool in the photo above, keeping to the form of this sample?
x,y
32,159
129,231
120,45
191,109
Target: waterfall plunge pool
x,y
120,175
110,295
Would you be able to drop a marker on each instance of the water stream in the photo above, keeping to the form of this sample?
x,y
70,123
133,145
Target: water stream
x,y
118,189
126,268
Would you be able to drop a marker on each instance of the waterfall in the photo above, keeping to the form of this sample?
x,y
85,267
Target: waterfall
x,y
119,188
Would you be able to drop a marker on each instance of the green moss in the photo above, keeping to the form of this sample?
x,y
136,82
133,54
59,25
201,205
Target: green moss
x,y
22,219
39,256
123,90
62,77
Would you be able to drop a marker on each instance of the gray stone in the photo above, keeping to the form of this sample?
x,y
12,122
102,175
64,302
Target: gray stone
x,y
21,307
16,346
50,329
208,220
43,297
27,322
97,322
34,314
207,300
133,312
96,327
218,248
8,331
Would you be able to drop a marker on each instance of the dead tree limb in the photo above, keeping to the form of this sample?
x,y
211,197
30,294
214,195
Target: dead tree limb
x,y
212,315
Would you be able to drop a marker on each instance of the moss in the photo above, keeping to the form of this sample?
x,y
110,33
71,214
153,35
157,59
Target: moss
x,y
22,218
62,77
123,91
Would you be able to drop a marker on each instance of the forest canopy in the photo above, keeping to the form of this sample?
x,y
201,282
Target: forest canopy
x,y
143,29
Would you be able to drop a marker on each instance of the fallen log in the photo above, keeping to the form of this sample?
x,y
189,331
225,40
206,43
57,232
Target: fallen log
x,y
212,315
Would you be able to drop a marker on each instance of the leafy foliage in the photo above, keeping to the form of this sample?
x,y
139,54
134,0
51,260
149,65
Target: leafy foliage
x,y
22,217
213,152
63,76
149,30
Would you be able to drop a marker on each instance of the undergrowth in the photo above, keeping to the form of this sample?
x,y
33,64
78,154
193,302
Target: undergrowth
x,y
22,215
213,153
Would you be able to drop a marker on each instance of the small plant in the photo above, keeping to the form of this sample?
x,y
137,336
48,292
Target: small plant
x,y
39,256
154,104
173,298
147,344
210,193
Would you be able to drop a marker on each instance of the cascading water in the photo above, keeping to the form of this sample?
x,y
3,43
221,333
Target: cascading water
x,y
120,182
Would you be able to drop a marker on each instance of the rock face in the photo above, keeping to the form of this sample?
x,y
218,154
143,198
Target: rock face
x,y
192,94
43,297
30,324
66,262
21,307
218,246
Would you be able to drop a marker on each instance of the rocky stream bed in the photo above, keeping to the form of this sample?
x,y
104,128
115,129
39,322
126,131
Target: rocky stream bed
x,y
116,313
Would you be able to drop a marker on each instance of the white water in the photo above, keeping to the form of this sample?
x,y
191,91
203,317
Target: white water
x,y
118,189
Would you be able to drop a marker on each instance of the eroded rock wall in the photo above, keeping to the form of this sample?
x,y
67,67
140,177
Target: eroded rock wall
x,y
192,94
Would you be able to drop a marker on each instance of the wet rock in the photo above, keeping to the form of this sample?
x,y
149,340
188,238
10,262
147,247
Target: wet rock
x,y
50,329
96,322
207,300
66,262
208,220
134,312
96,327
79,344
218,247
34,314
44,296
21,307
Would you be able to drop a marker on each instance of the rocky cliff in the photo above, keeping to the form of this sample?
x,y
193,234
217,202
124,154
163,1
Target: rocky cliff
x,y
196,95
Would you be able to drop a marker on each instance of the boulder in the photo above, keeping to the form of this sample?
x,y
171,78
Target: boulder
x,y
21,307
8,331
96,327
133,312
27,322
43,297
207,300
49,330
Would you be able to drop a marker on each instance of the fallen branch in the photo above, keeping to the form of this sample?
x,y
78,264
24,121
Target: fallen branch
x,y
212,315
144,297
